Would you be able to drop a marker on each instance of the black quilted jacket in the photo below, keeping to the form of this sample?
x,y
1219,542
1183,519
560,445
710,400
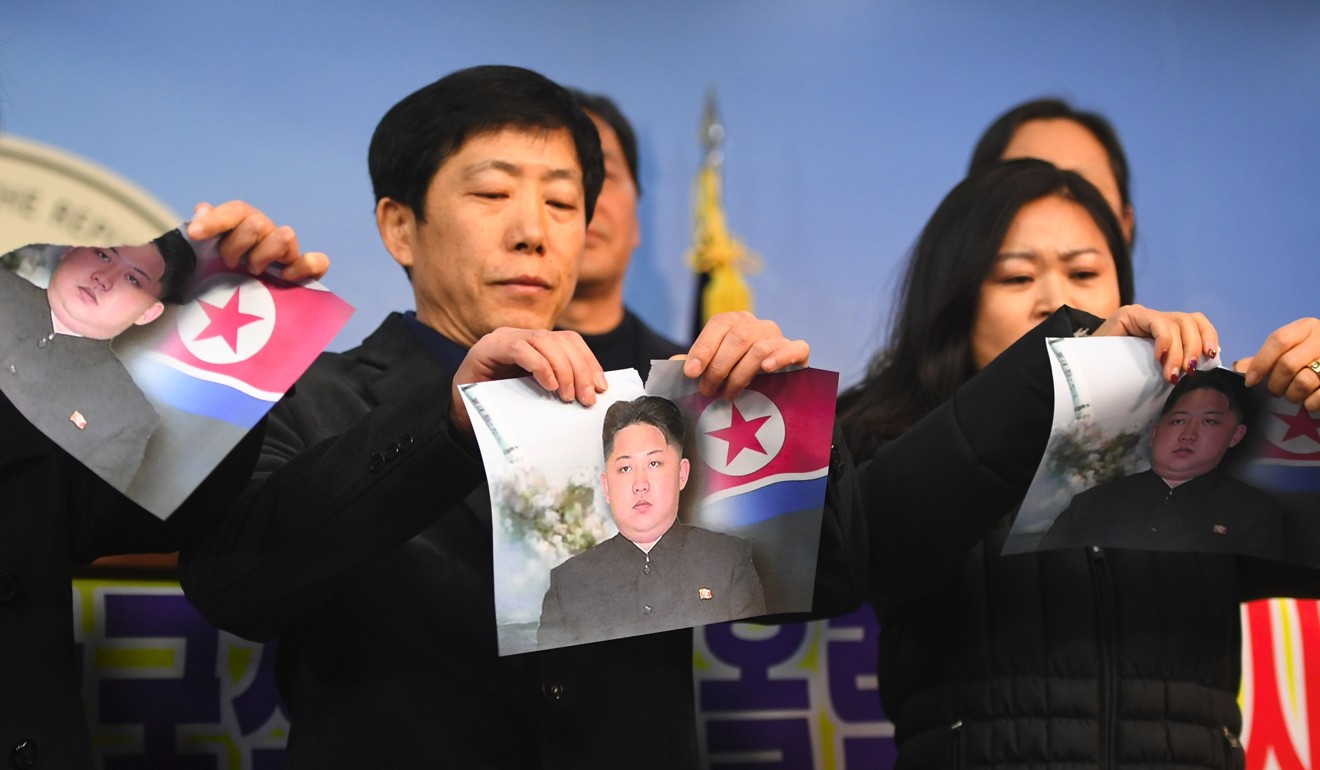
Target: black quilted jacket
x,y
1067,659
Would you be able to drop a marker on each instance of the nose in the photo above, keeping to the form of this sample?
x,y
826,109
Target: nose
x,y
641,481
1049,294
1188,432
104,278
526,232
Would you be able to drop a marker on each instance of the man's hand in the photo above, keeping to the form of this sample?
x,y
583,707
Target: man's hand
x,y
735,347
1284,363
559,361
1181,339
246,232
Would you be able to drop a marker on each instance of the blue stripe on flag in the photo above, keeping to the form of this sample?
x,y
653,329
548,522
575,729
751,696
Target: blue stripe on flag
x,y
764,504
1284,478
190,394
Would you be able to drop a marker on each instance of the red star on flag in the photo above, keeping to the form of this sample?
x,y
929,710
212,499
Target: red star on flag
x,y
1301,424
225,321
741,434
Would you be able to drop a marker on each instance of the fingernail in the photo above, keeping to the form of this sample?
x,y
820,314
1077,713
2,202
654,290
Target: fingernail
x,y
769,365
1251,379
1164,356
1177,375
1191,366
1214,352
692,367
601,383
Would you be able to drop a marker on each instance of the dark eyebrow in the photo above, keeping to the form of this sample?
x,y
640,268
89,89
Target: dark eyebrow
x,y
1072,254
514,170
562,173
133,265
616,458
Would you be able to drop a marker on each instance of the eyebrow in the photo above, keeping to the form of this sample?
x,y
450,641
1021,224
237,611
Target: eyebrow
x,y
1203,411
514,170
1032,255
133,265
617,458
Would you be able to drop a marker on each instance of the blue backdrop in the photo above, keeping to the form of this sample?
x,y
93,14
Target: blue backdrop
x,y
847,121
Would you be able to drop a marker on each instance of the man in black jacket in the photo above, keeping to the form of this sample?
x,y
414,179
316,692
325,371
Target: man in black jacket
x,y
614,333
364,540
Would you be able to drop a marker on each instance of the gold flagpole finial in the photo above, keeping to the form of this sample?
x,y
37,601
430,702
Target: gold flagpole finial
x,y
716,254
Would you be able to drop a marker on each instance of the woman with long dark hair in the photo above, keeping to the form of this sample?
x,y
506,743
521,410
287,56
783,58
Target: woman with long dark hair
x,y
1085,657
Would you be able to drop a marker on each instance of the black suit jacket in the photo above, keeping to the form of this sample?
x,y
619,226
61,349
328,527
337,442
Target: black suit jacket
x,y
1213,513
690,577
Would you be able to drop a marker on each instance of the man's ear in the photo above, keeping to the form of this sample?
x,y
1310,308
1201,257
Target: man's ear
x,y
1238,434
150,314
636,240
397,225
606,489
684,467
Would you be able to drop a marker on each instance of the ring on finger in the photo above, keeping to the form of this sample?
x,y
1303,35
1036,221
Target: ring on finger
x,y
1315,366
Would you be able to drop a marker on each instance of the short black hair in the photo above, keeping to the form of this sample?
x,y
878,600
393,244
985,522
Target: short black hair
x,y
661,413
180,263
994,140
1226,381
604,108
419,133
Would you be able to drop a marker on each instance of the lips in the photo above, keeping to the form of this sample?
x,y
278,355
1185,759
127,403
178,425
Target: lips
x,y
523,281
642,506
88,295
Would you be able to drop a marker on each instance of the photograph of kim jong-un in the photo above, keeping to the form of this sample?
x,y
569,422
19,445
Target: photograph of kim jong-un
x,y
61,310
603,526
664,574
1137,464
95,352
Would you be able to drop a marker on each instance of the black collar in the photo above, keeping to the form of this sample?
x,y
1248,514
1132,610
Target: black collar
x,y
443,351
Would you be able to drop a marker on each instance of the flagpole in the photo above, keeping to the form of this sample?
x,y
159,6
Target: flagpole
x,y
718,259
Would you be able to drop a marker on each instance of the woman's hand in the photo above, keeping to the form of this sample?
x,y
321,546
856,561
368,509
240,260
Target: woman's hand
x,y
1289,363
1181,339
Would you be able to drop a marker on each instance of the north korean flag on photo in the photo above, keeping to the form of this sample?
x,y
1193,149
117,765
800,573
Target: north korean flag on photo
x,y
239,344
1288,457
767,452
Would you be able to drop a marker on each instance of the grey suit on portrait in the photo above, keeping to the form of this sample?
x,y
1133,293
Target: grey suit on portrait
x,y
74,389
690,577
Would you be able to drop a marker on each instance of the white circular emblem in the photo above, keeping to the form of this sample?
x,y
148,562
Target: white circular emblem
x,y
229,320
741,437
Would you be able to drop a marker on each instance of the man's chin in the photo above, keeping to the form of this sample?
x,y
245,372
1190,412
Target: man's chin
x,y
525,315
